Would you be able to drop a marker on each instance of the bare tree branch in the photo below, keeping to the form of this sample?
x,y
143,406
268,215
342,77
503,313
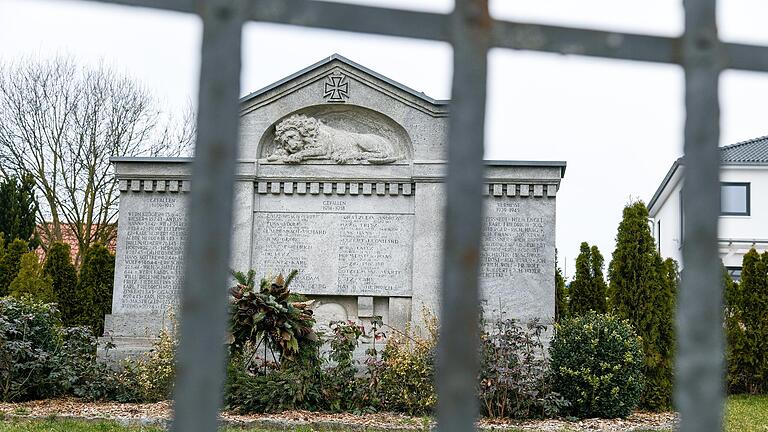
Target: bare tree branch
x,y
61,123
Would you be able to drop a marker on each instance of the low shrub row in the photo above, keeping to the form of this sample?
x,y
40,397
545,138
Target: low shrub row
x,y
83,297
278,362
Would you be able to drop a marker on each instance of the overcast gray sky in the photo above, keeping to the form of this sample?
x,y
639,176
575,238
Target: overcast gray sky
x,y
619,125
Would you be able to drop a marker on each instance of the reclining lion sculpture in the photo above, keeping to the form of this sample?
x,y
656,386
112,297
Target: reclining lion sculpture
x,y
299,138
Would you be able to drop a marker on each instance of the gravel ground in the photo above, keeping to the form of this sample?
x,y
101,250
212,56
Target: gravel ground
x,y
159,413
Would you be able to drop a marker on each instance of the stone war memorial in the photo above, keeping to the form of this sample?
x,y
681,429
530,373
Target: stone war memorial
x,y
340,175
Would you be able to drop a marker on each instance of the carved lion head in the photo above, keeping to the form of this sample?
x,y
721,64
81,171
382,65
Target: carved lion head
x,y
295,132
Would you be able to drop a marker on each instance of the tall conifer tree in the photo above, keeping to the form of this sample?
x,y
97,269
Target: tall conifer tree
x,y
58,265
561,300
31,282
95,287
18,209
754,307
735,353
588,288
600,288
11,263
641,291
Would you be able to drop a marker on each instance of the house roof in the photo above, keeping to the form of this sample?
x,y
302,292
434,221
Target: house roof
x,y
750,152
754,151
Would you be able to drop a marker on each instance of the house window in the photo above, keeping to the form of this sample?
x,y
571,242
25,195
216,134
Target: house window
x,y
734,273
734,199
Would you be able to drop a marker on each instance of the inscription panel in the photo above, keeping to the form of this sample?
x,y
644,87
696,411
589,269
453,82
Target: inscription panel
x,y
151,244
517,257
337,253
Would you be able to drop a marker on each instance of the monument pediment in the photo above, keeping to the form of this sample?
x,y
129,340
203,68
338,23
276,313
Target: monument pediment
x,y
341,113
340,81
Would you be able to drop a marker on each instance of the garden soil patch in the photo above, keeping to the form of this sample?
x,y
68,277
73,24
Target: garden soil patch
x,y
159,414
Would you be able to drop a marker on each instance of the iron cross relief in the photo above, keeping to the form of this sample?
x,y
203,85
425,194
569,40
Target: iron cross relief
x,y
336,88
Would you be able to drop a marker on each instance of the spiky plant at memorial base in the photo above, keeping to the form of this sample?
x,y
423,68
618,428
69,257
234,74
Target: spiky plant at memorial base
x,y
271,316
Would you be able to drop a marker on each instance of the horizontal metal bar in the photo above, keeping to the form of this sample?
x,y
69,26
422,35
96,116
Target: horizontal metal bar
x,y
353,18
188,6
593,43
746,57
505,34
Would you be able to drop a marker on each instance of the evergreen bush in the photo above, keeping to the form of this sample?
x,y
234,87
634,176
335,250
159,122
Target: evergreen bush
x,y
597,363
588,289
39,358
80,373
561,294
58,266
642,291
736,348
94,288
31,281
749,355
11,263
29,341
18,209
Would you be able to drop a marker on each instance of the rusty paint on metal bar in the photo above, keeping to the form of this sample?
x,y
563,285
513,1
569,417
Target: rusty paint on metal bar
x,y
456,377
699,363
201,356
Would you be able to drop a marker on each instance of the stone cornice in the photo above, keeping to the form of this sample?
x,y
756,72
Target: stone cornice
x,y
334,188
157,185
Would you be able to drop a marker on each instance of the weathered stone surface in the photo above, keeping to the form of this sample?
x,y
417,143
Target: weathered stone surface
x,y
342,177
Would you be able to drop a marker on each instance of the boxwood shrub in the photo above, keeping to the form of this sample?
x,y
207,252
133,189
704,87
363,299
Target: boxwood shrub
x,y
597,364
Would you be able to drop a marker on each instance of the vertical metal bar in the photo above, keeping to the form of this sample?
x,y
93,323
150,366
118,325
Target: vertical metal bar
x,y
203,304
457,352
699,388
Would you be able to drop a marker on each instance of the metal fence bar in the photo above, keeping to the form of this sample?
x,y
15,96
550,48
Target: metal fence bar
x,y
203,302
699,368
456,378
699,390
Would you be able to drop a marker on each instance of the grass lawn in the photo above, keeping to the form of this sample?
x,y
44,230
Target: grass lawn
x,y
743,414
747,414
60,425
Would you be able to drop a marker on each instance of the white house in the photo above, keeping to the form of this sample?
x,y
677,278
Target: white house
x,y
744,205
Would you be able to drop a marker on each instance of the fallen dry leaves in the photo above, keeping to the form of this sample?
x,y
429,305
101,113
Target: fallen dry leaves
x,y
160,412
